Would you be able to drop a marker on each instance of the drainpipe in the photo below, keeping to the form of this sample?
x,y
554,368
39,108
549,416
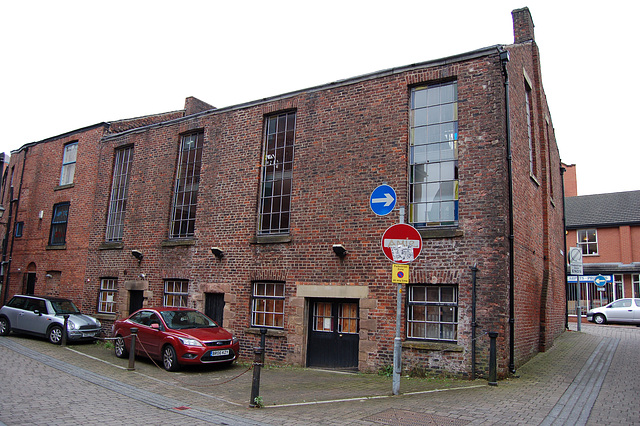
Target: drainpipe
x,y
5,286
504,59
474,271
566,272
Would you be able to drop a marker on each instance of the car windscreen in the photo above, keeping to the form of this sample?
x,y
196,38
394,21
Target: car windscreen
x,y
62,307
180,320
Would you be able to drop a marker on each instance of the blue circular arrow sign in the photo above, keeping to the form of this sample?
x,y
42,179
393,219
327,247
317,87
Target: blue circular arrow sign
x,y
600,280
382,200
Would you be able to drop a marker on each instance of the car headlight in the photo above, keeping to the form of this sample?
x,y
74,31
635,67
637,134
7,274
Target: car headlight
x,y
71,325
190,342
234,340
98,324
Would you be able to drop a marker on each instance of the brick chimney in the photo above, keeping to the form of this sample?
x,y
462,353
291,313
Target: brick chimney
x,y
522,25
194,105
570,180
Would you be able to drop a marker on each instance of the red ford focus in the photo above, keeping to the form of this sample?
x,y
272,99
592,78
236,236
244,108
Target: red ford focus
x,y
176,336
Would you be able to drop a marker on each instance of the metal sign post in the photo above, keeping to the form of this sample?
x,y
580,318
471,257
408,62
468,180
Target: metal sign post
x,y
575,263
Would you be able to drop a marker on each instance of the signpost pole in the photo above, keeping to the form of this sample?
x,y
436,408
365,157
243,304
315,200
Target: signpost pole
x,y
397,342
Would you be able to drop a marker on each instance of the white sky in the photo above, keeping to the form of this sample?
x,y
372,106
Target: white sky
x,y
70,64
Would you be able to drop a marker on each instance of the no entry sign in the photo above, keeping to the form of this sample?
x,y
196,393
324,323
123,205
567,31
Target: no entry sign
x,y
401,243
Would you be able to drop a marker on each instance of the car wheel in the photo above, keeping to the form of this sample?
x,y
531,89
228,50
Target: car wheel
x,y
170,359
119,348
5,327
55,335
599,319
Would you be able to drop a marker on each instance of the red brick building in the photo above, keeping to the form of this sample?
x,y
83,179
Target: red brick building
x,y
236,211
606,227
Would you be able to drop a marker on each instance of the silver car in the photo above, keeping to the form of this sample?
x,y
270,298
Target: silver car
x,y
622,310
44,316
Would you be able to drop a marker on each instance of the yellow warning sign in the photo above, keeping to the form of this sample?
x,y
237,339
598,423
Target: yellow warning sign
x,y
400,274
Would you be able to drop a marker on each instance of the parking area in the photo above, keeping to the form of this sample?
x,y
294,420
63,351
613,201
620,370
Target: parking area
x,y
40,373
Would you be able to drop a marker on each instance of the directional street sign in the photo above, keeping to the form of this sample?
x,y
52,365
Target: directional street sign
x,y
401,243
600,281
382,200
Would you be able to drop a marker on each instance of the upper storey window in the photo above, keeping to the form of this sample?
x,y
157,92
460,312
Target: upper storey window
x,y
433,180
119,194
68,163
588,241
185,194
277,168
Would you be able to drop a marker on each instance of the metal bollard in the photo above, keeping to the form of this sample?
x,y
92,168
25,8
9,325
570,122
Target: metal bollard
x,y
63,340
258,362
132,349
492,359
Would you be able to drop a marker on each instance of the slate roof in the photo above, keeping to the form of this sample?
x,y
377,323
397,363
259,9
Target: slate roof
x,y
603,210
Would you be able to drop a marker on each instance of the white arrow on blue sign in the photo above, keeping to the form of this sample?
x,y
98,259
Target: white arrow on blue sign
x,y
600,281
382,200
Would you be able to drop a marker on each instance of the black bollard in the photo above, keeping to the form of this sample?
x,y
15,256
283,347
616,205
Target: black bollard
x,y
492,359
65,327
258,362
132,349
255,384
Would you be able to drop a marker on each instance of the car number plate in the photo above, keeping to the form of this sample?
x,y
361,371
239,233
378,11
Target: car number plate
x,y
220,352
88,334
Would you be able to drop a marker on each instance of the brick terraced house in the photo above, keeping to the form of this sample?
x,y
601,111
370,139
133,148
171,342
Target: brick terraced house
x,y
236,211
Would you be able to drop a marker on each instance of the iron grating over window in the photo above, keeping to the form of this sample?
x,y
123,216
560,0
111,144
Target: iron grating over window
x,y
277,168
185,195
119,194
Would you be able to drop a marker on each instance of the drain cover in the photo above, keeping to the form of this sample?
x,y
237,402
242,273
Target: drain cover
x,y
410,418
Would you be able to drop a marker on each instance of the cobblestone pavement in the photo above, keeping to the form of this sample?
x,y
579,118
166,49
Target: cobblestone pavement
x,y
585,378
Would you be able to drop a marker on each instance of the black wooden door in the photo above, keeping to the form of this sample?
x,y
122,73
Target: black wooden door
x,y
214,306
135,300
31,283
333,334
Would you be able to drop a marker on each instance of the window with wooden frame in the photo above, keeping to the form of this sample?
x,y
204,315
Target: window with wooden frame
x,y
59,219
108,295
267,305
432,312
176,293
433,156
68,163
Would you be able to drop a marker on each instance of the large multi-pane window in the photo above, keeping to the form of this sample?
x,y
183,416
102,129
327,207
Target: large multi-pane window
x,y
530,134
108,293
432,312
588,241
277,167
635,282
68,163
434,155
119,192
176,292
267,307
59,220
185,194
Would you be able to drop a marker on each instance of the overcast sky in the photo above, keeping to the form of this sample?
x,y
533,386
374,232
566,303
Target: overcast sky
x,y
71,64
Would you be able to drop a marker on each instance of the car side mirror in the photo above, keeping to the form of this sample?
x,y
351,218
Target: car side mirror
x,y
37,312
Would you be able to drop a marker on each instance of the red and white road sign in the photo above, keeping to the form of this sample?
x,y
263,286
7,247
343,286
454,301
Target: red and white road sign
x,y
401,243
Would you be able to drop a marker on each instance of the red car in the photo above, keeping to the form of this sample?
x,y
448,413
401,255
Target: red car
x,y
176,336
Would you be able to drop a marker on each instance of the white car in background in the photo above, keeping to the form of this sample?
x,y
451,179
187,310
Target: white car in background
x,y
621,311
44,316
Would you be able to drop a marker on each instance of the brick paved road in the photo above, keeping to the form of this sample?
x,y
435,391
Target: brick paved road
x,y
585,378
